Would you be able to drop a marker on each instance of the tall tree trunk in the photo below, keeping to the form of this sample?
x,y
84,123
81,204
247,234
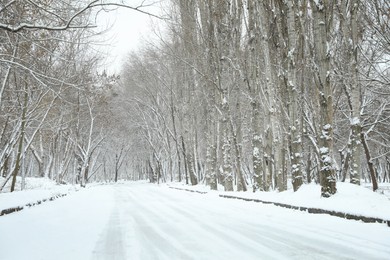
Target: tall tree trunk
x,y
292,10
257,157
17,163
211,160
21,140
241,183
268,90
369,162
116,168
226,154
254,90
356,147
322,14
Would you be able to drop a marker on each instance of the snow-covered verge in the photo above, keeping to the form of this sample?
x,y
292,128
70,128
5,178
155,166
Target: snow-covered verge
x,y
349,199
36,191
66,228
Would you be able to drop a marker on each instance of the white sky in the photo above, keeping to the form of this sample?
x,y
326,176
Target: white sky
x,y
126,30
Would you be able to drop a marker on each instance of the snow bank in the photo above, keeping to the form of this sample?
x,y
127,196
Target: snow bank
x,y
349,199
36,189
67,228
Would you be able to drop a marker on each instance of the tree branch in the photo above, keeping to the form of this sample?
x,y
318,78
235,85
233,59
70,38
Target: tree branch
x,y
68,22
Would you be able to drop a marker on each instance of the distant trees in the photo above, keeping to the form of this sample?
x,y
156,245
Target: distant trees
x,y
53,103
260,92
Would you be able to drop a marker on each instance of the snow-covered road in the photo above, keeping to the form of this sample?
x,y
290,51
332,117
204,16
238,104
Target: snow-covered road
x,y
144,221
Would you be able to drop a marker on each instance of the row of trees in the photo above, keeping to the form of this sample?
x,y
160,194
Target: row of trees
x,y
245,92
237,92
55,114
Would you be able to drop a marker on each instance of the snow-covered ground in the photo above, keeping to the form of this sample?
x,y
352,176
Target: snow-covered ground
x,y
146,221
352,199
36,189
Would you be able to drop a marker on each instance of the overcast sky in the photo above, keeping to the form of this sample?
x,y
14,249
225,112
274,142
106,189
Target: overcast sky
x,y
126,30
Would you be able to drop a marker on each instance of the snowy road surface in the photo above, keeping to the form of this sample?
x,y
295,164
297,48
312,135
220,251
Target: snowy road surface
x,y
144,221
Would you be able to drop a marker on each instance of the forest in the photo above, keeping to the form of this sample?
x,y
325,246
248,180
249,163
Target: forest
x,y
246,94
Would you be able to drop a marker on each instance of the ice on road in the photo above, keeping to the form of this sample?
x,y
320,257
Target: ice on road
x,y
145,221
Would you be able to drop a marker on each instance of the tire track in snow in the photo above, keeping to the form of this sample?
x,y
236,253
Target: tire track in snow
x,y
110,245
224,240
263,244
157,223
154,241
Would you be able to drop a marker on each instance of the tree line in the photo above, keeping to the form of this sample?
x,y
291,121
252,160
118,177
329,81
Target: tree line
x,y
55,115
263,94
238,93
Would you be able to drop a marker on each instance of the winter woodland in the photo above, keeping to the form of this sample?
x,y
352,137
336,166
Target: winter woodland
x,y
263,95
